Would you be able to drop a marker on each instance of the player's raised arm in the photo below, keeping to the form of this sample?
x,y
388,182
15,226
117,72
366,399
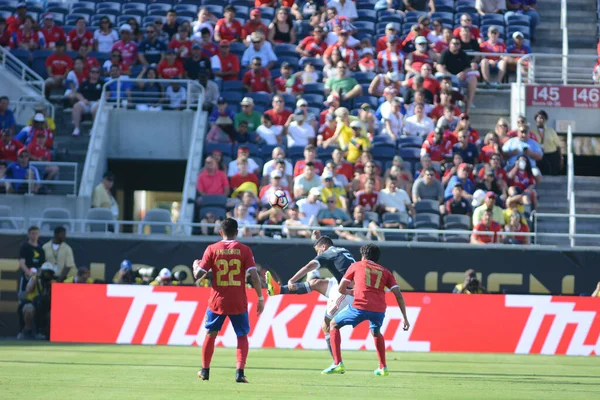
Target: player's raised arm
x,y
402,305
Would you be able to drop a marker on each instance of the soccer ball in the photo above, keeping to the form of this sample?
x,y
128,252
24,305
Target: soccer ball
x,y
278,200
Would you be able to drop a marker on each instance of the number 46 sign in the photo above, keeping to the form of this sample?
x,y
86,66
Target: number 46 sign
x,y
563,96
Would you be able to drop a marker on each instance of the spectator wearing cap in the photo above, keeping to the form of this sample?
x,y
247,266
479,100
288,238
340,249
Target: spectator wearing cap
x,y
427,187
298,131
228,28
418,124
258,79
330,189
310,156
58,65
259,49
254,24
485,224
9,146
102,196
279,115
462,176
552,161
88,97
518,47
332,103
391,30
367,61
242,173
492,64
527,7
226,65
288,82
313,45
242,154
347,87
489,203
38,124
171,67
457,204
126,46
349,54
455,61
276,184
16,21
23,170
197,64
269,133
248,114
181,43
421,56
437,145
211,181
307,180
52,32
520,145
468,150
221,122
392,58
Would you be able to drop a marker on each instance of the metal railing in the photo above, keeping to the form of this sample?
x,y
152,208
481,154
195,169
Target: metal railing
x,y
130,93
565,41
539,72
571,184
571,235
18,68
34,179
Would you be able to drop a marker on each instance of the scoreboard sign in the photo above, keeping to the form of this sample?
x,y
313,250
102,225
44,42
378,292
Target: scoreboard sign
x,y
562,96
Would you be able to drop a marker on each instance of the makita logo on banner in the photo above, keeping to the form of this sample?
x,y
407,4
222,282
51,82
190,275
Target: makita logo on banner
x,y
175,316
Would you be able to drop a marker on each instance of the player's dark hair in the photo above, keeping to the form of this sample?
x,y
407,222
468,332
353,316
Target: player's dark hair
x,y
324,240
370,252
33,228
229,227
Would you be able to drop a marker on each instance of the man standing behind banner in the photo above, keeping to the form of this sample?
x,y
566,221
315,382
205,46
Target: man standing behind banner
x,y
59,253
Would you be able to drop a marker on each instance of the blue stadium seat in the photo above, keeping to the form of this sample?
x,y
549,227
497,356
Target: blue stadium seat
x,y
215,9
412,17
129,7
295,152
232,86
386,141
242,9
266,150
159,8
260,98
445,8
465,8
35,6
370,100
289,100
225,148
218,212
122,19
317,62
410,141
292,60
411,154
316,88
364,77
324,154
429,207
90,5
492,19
108,5
383,152
368,15
518,20
96,18
192,8
523,29
365,26
445,17
73,17
285,49
314,100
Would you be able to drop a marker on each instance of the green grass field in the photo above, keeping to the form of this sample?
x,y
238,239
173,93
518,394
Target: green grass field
x,y
35,370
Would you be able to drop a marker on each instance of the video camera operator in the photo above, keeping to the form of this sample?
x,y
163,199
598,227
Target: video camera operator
x,y
167,278
471,285
36,309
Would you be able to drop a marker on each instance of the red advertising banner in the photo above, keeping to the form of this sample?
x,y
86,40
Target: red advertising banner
x,y
440,322
562,96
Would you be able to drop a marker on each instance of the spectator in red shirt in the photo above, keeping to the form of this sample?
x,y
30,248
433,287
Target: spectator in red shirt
x,y
368,197
254,24
313,46
310,155
278,113
170,67
421,56
442,45
211,181
465,125
127,47
243,175
182,44
9,146
226,65
39,152
493,63
116,59
445,101
499,172
15,22
52,33
438,147
258,79
466,20
89,61
431,84
58,66
5,35
228,28
392,58
78,36
490,147
487,224
514,225
391,30
349,55
27,38
281,82
518,47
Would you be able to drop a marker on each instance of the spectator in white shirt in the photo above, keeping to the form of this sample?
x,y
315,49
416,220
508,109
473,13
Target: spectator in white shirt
x,y
392,120
306,180
105,36
419,124
298,132
268,132
277,155
310,206
242,154
345,8
259,49
394,199
176,95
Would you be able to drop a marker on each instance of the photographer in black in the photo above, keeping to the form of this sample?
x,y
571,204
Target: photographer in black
x,y
31,256
127,276
471,285
36,308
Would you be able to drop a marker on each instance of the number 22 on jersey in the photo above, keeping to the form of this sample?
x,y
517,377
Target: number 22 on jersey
x,y
228,271
377,273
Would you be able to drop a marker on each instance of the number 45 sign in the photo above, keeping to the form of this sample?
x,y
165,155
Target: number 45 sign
x,y
562,96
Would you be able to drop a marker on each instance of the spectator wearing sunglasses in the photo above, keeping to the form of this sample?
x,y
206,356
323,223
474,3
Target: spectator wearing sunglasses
x,y
105,36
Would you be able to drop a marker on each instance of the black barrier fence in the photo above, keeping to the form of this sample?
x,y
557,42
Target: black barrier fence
x,y
417,268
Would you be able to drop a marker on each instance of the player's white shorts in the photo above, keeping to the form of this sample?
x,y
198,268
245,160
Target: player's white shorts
x,y
335,300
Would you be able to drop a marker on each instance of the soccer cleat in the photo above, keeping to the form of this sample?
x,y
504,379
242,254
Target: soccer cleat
x,y
381,371
204,374
273,287
334,369
239,376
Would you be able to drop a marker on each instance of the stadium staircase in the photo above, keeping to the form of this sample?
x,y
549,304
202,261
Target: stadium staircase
x,y
552,192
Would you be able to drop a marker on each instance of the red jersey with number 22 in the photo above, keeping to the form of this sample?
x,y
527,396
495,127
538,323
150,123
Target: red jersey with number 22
x,y
370,280
228,260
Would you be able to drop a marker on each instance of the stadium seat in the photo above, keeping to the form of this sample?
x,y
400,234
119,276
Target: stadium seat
x,y
38,64
316,88
445,17
100,214
218,212
523,29
108,5
260,98
191,8
466,8
428,207
492,19
456,221
324,154
6,220
130,7
295,152
364,77
396,18
401,218
314,100
518,20
285,49
289,100
410,153
54,217
466,238
232,86
159,221
365,26
224,148
214,201
370,100
87,5
215,9
368,15
410,141
383,152
231,96
383,140
427,237
292,60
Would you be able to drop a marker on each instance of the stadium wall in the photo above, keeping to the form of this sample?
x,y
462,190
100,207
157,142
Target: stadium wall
x,y
521,324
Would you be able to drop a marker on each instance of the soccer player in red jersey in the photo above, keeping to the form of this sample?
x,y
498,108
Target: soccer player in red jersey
x,y
370,280
229,261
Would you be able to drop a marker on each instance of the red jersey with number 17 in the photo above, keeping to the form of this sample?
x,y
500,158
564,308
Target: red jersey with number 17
x,y
228,260
370,280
